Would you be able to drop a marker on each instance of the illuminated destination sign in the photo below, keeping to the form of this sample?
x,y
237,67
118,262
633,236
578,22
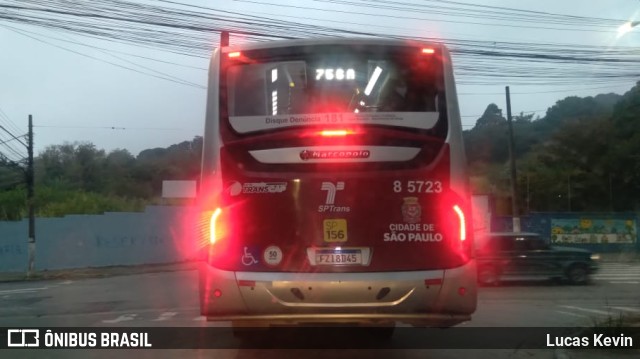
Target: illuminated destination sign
x,y
335,74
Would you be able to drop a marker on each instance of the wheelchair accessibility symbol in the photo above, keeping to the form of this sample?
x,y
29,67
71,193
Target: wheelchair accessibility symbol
x,y
247,258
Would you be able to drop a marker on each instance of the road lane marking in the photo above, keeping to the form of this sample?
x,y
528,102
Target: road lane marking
x,y
614,265
122,318
21,290
586,309
165,316
572,314
201,318
618,282
635,310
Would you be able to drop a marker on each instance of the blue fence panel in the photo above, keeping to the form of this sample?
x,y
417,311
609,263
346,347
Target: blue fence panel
x,y
158,235
13,246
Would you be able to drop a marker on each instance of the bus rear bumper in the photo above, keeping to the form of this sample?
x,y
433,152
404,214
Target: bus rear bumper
x,y
418,320
438,298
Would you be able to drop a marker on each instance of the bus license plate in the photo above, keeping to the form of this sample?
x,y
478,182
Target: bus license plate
x,y
344,257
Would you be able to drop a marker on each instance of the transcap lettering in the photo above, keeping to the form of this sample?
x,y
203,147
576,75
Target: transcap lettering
x,y
262,187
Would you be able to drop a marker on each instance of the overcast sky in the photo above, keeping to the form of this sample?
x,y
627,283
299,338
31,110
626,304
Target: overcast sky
x,y
76,97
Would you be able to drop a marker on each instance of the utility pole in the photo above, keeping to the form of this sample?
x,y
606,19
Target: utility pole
x,y
224,38
610,194
512,163
30,202
569,191
528,195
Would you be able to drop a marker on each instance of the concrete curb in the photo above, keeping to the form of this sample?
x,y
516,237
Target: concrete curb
x,y
98,272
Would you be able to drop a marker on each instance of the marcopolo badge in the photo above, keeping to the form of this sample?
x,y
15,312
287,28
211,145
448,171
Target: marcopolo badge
x,y
411,210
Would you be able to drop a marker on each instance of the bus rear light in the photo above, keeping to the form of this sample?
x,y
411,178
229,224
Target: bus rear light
x,y
217,293
234,54
213,236
336,133
428,51
463,225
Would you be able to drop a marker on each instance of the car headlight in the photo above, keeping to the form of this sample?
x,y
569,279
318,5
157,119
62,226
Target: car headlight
x,y
595,257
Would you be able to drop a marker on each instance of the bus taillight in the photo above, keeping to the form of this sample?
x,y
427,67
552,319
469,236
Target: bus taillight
x,y
428,51
463,228
213,226
234,54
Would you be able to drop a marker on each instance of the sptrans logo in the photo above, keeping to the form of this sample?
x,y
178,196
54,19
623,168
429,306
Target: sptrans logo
x,y
332,189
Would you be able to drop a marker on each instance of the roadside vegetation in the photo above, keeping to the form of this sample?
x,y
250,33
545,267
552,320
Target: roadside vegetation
x,y
78,178
588,148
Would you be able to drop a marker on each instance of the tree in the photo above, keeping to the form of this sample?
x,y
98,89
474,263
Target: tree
x,y
492,116
487,141
71,166
573,162
572,143
625,150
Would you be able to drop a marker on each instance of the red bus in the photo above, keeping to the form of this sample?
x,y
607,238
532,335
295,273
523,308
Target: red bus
x,y
335,186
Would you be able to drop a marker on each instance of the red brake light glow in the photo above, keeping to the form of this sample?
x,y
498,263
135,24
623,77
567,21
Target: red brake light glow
x,y
212,226
335,133
428,50
234,54
463,230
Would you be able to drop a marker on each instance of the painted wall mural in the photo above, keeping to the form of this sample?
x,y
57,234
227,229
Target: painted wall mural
x,y
589,230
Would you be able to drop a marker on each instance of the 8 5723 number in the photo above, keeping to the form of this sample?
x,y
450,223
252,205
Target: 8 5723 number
x,y
417,187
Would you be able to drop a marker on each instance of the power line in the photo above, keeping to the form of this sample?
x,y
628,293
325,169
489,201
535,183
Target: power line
x,y
525,112
359,12
9,146
7,121
109,50
162,76
121,128
188,32
530,92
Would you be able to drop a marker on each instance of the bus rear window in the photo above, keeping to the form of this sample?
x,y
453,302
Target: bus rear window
x,y
335,83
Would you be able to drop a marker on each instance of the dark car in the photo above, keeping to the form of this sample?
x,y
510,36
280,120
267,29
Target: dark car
x,y
525,256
